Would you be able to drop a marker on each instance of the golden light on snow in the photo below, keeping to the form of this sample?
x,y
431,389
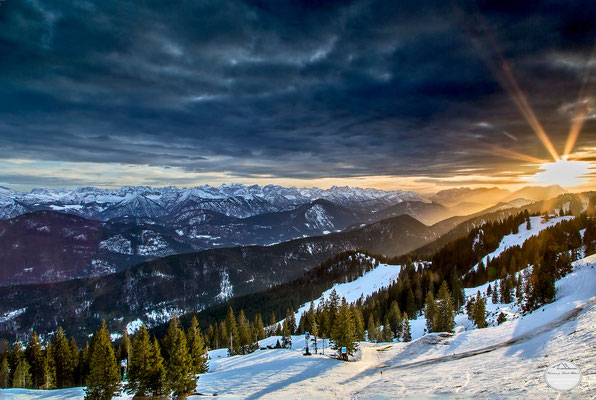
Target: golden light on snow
x,y
562,172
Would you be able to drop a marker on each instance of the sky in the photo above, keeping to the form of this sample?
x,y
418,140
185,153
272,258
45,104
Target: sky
x,y
389,94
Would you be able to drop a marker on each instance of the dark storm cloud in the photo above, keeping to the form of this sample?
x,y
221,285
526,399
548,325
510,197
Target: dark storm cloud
x,y
302,89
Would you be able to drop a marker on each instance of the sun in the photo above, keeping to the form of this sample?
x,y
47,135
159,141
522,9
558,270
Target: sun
x,y
562,172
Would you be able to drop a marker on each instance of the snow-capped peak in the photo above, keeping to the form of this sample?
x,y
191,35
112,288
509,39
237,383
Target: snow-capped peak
x,y
230,199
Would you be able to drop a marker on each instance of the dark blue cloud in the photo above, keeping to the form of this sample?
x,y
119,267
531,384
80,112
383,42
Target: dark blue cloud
x,y
362,87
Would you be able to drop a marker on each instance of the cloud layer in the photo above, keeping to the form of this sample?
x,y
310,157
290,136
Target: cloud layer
x,y
257,90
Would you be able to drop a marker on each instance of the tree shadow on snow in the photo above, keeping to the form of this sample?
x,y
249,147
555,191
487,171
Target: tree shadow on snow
x,y
316,367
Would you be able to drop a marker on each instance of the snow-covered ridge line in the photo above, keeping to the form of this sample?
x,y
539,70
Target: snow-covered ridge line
x,y
206,191
144,201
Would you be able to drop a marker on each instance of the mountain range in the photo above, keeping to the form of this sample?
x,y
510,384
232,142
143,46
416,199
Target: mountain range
x,y
60,234
459,197
133,267
235,200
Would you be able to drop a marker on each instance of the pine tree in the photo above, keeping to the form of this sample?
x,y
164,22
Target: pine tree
x,y
470,307
171,333
458,296
387,333
501,318
272,325
291,318
314,331
223,337
590,239
286,338
359,322
211,337
138,365
311,317
541,288
48,369
378,331
371,329
505,291
563,265
62,360
124,347
259,328
333,302
22,375
14,355
179,377
430,311
4,373
74,359
103,380
495,296
331,310
410,302
324,320
156,373
34,356
85,360
395,318
196,346
302,323
445,316
244,335
407,331
480,312
512,265
344,331
233,340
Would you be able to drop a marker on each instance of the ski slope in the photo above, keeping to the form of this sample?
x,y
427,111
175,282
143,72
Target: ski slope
x,y
380,277
505,361
537,225
508,360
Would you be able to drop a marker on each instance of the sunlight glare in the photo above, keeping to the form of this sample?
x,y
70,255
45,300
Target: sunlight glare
x,y
562,172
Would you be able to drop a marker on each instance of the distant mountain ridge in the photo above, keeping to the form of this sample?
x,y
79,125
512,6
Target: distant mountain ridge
x,y
234,200
117,228
494,195
427,213
536,193
453,197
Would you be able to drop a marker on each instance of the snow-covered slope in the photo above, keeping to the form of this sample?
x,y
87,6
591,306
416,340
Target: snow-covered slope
x,y
537,225
505,361
380,277
508,360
